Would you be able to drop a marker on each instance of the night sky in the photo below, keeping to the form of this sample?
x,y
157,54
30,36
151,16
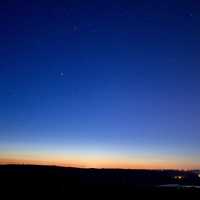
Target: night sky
x,y
100,83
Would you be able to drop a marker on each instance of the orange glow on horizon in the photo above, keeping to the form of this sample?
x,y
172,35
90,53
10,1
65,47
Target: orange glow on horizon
x,y
96,160
97,164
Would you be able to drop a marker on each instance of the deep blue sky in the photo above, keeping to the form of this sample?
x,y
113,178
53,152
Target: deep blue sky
x,y
115,76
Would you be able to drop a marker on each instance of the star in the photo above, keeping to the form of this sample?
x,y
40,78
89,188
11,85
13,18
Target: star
x,y
61,74
75,28
190,14
93,31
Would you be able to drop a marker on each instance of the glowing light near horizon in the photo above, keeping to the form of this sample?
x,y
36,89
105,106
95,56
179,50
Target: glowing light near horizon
x,y
179,177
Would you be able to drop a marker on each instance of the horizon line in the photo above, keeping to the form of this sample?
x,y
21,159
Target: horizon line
x,y
96,168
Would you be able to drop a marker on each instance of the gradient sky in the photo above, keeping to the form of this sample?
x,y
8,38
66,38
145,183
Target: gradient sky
x,y
100,83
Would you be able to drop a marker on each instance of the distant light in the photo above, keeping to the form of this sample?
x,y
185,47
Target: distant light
x,y
199,175
178,177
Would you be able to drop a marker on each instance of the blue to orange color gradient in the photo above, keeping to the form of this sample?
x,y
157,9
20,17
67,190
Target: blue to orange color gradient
x,y
100,84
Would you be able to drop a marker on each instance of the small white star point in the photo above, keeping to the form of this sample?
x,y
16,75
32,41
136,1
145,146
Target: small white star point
x,y
61,74
190,14
75,28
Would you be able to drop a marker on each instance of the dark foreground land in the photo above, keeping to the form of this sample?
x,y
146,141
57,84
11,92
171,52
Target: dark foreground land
x,y
60,181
